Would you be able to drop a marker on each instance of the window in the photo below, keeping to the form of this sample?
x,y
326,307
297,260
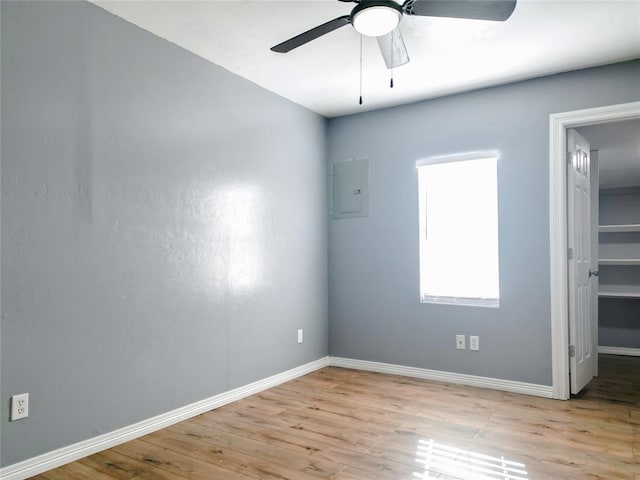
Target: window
x,y
458,208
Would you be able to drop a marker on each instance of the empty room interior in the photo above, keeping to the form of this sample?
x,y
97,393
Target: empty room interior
x,y
305,240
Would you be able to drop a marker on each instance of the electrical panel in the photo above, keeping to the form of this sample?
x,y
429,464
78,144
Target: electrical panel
x,y
351,189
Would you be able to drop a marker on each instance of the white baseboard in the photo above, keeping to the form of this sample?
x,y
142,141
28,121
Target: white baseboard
x,y
448,377
56,458
62,456
631,352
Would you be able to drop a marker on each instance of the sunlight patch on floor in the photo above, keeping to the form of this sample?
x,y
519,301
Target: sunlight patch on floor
x,y
440,459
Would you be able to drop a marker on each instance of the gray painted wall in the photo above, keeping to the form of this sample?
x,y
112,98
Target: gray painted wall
x,y
374,311
619,319
163,227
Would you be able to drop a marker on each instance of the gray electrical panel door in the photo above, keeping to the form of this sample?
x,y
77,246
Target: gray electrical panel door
x,y
351,189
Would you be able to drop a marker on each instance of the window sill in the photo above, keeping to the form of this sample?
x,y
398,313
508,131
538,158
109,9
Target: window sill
x,y
463,302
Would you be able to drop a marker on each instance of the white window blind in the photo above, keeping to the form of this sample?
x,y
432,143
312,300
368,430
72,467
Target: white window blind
x,y
458,208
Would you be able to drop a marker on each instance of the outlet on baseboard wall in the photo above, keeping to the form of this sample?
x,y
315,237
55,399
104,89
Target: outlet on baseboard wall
x,y
300,335
461,343
474,343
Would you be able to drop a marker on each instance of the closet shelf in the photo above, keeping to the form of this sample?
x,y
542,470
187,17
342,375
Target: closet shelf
x,y
619,261
605,294
619,228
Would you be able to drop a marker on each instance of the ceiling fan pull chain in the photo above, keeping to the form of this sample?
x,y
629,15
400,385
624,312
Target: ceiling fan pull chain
x,y
391,82
360,101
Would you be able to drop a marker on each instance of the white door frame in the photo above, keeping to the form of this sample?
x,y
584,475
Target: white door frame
x,y
558,125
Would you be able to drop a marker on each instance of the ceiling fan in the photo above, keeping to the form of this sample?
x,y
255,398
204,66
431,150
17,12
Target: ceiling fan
x,y
380,18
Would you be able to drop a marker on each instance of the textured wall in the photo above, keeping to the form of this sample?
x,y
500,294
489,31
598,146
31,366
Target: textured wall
x,y
375,312
163,227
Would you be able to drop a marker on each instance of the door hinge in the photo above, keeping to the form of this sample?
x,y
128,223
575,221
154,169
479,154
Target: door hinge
x,y
570,253
572,351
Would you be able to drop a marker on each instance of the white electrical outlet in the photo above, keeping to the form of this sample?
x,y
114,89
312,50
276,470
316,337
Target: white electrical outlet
x,y
300,336
19,406
461,343
474,342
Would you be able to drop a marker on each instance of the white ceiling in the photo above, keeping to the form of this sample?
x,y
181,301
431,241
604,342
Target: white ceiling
x,y
618,145
447,55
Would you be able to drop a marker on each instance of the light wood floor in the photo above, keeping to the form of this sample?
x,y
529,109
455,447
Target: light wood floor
x,y
348,425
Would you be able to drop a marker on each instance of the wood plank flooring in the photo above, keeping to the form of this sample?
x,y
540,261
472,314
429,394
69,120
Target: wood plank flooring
x,y
348,425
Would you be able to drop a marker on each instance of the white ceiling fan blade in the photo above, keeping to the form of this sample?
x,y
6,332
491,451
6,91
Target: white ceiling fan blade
x,y
393,49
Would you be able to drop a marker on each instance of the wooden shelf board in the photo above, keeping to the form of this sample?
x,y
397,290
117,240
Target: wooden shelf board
x,y
619,228
619,294
619,261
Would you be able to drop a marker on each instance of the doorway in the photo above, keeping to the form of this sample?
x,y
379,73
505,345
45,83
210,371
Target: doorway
x,y
616,234
559,124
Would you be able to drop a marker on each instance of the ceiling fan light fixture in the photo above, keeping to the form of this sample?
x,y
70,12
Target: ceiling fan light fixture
x,y
378,19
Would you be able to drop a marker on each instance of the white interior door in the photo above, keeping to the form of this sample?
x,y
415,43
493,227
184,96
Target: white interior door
x,y
581,350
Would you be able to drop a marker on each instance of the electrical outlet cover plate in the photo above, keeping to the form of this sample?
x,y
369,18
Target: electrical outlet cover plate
x,y
300,336
474,343
19,406
460,342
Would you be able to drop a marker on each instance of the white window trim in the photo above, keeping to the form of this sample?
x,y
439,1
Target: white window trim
x,y
449,300
458,157
463,301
